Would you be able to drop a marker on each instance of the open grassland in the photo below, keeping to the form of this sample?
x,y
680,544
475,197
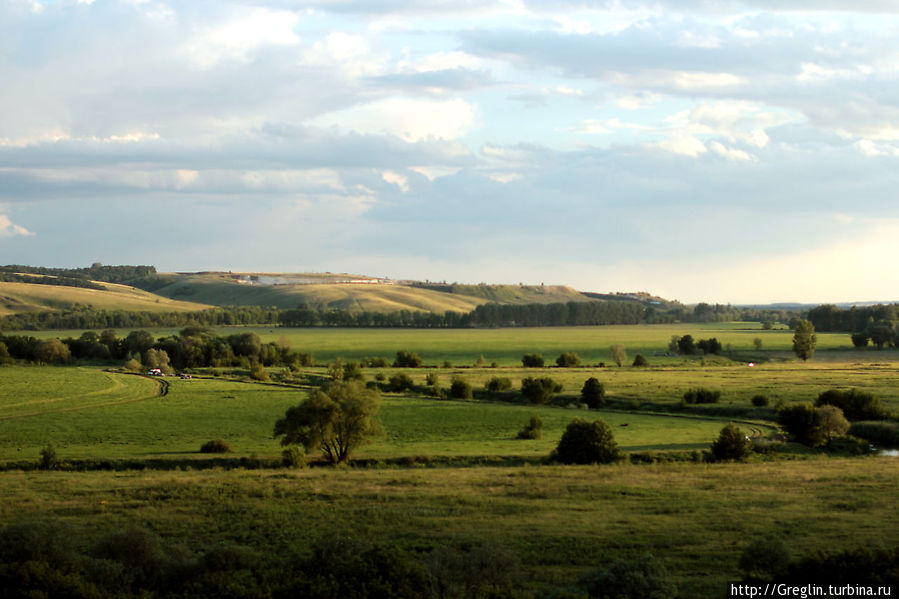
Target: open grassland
x,y
224,290
16,298
562,522
98,415
507,345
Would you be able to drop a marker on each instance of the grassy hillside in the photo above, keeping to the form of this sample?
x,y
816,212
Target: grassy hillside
x,y
513,294
224,289
16,298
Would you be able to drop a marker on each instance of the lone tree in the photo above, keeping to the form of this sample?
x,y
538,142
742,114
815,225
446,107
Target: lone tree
x,y
731,444
593,393
804,340
587,443
337,419
619,353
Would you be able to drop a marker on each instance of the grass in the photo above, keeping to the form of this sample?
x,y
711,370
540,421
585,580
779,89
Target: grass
x,y
90,414
29,297
562,521
223,290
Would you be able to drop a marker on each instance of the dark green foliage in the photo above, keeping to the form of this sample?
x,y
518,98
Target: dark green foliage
x,y
533,429
686,345
405,359
346,567
709,346
473,571
431,379
731,444
760,400
642,577
593,393
568,360
881,433
352,371
812,426
804,340
539,389
587,443
764,559
48,459
856,405
640,360
860,339
400,382
375,362
701,395
532,361
460,388
864,565
216,446
498,384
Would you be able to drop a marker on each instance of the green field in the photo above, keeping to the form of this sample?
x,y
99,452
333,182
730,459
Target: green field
x,y
93,414
434,478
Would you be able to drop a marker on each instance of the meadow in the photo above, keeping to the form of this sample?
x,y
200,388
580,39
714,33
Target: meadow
x,y
450,473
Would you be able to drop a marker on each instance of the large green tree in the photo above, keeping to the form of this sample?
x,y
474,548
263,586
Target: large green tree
x,y
804,339
337,419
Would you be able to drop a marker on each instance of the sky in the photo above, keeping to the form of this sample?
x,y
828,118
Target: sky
x,y
732,151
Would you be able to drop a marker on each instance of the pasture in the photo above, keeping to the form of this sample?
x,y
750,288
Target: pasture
x,y
91,414
408,492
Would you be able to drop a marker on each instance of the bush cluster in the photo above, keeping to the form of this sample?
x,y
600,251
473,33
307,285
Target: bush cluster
x,y
702,395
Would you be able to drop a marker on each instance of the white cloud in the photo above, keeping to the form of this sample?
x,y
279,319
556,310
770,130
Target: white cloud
x,y
10,229
347,53
683,144
435,172
730,153
409,118
239,38
442,61
397,179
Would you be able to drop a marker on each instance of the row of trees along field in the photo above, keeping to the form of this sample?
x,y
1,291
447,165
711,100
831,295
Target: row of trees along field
x,y
192,347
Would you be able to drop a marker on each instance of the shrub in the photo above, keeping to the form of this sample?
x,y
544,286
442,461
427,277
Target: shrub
x,y
375,362
593,393
619,354
587,443
532,361
860,339
568,360
764,559
258,372
399,382
405,359
884,434
132,365
731,444
702,395
760,400
640,360
460,388
539,390
293,457
812,426
48,458
215,446
498,384
431,379
533,429
709,346
856,405
352,371
642,577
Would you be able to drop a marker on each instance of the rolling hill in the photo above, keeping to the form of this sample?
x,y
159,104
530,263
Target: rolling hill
x,y
17,298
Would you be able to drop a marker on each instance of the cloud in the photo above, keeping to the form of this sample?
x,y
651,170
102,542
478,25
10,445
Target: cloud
x,y
241,36
10,229
408,118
